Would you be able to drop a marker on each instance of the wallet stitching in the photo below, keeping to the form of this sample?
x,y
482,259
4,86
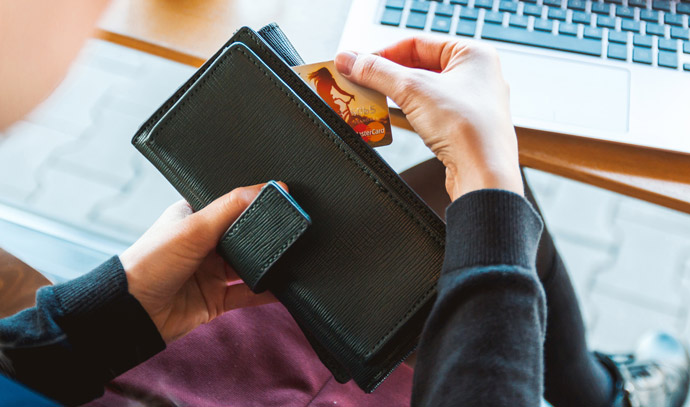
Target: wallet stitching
x,y
347,153
290,240
366,171
144,132
346,128
221,61
162,110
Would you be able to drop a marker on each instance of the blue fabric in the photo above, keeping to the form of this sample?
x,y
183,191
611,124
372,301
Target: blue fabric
x,y
14,394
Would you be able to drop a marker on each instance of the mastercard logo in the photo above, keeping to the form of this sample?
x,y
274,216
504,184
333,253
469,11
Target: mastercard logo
x,y
371,132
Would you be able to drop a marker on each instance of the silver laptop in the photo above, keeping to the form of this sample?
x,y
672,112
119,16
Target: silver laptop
x,y
617,70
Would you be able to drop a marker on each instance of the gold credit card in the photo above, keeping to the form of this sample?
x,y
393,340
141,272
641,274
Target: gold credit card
x,y
365,110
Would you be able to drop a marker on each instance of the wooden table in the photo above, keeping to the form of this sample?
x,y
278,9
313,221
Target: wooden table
x,y
189,31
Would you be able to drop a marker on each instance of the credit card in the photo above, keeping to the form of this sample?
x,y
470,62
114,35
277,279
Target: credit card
x,y
365,110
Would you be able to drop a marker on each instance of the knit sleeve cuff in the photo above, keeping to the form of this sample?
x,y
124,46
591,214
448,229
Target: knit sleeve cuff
x,y
489,227
103,322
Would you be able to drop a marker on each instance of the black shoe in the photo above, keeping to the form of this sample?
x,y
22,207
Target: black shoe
x,y
656,375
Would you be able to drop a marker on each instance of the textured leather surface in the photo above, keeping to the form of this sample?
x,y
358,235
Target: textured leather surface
x,y
362,278
264,231
277,39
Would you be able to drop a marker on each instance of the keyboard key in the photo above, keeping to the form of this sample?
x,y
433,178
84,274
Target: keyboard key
x,y
460,2
614,1
618,37
552,3
466,27
494,17
673,19
593,32
509,6
441,24
618,51
630,25
568,29
397,4
541,24
686,47
518,21
642,55
606,21
655,29
679,33
663,5
686,67
469,13
420,6
668,45
532,10
581,17
640,40
529,1
579,5
637,3
391,16
601,8
542,39
649,15
416,20
683,8
668,59
487,4
625,12
557,14
445,9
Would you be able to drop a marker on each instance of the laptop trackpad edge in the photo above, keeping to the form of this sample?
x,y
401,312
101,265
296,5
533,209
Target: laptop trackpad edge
x,y
561,91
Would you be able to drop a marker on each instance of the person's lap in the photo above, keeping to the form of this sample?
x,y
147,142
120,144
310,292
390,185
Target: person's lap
x,y
258,356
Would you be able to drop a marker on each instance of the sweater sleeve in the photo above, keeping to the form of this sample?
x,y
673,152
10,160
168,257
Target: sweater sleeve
x,y
482,343
80,335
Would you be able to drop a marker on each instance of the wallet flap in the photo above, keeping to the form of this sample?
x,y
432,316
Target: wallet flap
x,y
262,233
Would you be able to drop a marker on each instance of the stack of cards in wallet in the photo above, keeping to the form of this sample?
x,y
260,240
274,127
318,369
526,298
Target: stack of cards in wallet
x,y
365,110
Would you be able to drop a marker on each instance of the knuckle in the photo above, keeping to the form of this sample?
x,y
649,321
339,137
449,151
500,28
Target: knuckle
x,y
410,83
368,68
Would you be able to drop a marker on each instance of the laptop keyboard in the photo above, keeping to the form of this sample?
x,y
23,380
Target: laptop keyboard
x,y
638,31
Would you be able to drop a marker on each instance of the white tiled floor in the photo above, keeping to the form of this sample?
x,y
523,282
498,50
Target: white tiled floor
x,y
72,160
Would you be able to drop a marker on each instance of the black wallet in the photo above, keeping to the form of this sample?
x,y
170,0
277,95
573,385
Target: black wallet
x,y
361,279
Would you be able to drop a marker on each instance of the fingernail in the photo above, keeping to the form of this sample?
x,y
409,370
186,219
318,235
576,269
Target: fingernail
x,y
344,62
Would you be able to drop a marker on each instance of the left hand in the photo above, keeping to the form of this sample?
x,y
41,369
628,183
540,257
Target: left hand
x,y
173,270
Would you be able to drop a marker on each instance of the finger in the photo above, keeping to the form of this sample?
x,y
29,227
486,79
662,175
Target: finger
x,y
240,296
215,219
178,210
422,52
374,72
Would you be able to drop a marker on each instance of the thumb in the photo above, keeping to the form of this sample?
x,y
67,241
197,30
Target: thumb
x,y
211,222
375,72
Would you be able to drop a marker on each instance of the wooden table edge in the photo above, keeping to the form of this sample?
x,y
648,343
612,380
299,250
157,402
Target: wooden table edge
x,y
660,177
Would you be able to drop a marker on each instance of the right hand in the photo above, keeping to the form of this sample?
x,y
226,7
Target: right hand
x,y
454,95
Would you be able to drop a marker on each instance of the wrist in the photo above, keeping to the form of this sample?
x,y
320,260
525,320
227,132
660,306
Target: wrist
x,y
476,177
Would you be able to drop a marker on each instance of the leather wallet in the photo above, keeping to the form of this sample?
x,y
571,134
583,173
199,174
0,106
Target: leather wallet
x,y
361,279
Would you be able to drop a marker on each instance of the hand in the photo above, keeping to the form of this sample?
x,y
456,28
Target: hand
x,y
455,97
175,272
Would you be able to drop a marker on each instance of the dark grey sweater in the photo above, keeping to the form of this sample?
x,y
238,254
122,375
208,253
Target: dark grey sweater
x,y
482,345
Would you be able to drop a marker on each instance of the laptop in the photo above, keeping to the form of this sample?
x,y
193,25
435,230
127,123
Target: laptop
x,y
616,70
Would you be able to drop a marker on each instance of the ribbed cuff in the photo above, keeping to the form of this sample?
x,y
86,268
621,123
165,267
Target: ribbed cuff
x,y
490,227
106,325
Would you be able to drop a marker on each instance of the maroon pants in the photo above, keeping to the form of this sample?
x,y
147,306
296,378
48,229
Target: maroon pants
x,y
249,357
259,357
